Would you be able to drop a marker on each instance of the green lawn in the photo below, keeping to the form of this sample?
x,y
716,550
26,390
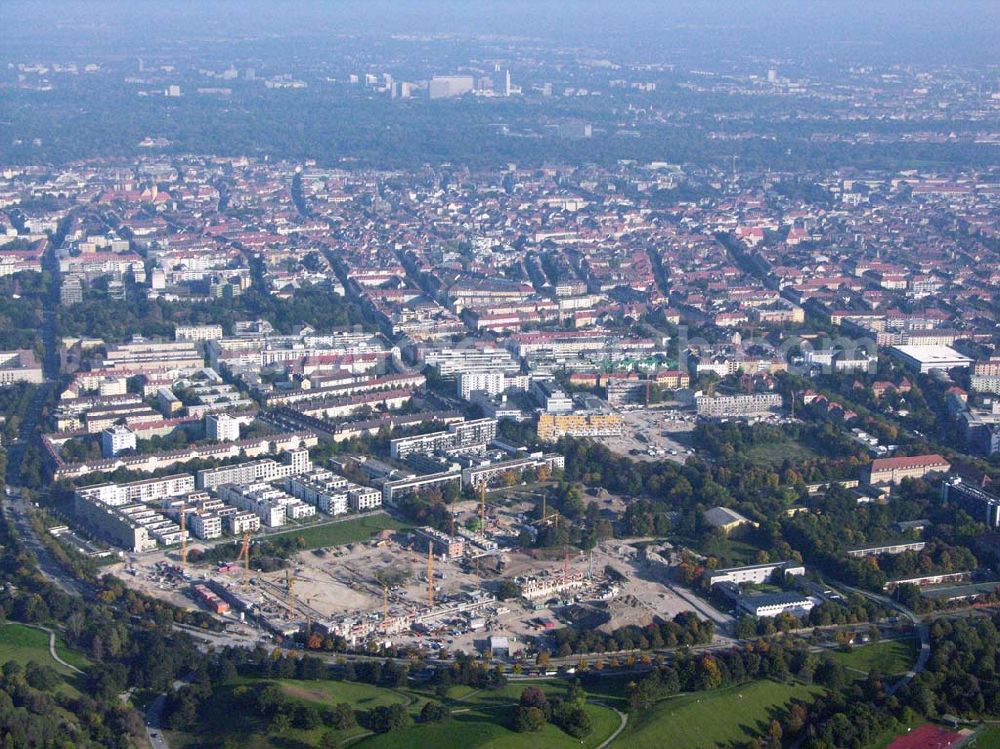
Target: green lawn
x,y
888,657
24,644
987,739
248,730
773,454
360,696
344,532
713,719
480,719
485,728
733,550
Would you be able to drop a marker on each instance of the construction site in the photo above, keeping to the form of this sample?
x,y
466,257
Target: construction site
x,y
420,586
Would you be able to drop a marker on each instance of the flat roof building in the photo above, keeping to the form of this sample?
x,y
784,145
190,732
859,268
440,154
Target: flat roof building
x,y
925,358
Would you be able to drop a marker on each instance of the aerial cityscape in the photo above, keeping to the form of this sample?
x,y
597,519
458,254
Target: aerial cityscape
x,y
499,375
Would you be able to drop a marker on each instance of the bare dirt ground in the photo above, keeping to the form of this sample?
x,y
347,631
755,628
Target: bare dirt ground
x,y
654,434
330,583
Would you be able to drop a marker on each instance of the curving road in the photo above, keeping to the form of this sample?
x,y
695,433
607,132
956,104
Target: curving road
x,y
622,722
923,631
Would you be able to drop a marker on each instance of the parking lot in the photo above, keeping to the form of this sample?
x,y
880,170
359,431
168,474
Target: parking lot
x,y
654,435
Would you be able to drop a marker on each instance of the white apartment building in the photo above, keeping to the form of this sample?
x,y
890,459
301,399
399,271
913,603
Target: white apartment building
x,y
222,427
149,490
197,332
756,404
463,435
323,489
273,505
364,498
204,525
255,471
755,573
492,383
450,362
773,604
116,440
243,522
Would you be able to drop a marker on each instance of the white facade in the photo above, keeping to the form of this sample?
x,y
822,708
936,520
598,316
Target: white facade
x,y
492,383
738,405
323,489
197,332
925,358
115,440
775,604
243,522
364,498
204,526
222,427
754,573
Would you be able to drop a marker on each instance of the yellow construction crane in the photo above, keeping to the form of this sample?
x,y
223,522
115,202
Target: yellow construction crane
x,y
430,574
184,546
289,585
482,508
244,556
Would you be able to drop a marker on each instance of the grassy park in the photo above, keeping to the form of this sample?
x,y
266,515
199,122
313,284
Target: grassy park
x,y
342,532
887,657
24,644
480,718
773,454
712,719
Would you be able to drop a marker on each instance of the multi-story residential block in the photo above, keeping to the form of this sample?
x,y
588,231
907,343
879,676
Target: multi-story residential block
x,y
147,490
492,383
197,332
721,406
116,440
20,366
552,426
222,427
459,437
894,470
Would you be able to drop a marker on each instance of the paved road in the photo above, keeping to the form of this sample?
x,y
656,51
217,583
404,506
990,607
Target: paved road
x,y
154,729
16,510
622,722
923,631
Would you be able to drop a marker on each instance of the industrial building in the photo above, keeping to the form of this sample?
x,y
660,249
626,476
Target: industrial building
x,y
926,358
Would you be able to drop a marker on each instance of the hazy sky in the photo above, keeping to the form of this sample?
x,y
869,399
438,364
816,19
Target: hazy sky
x,y
908,30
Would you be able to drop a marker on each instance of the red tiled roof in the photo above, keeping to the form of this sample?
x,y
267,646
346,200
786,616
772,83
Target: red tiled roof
x,y
914,461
